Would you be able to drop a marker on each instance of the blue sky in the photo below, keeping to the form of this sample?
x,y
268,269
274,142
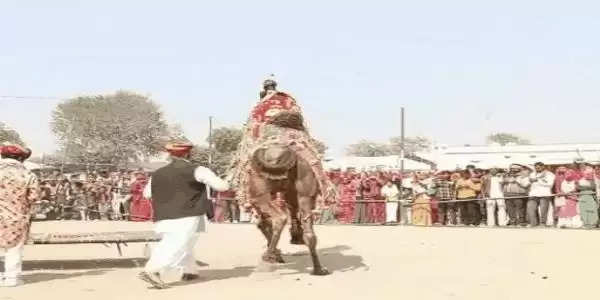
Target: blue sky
x,y
462,69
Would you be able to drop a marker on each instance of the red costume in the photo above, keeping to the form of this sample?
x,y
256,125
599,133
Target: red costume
x,y
260,133
141,208
372,191
349,187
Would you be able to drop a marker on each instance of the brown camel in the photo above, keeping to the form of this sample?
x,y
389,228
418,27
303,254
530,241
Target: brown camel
x,y
282,185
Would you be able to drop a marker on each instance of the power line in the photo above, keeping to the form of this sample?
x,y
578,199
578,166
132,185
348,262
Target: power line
x,y
29,97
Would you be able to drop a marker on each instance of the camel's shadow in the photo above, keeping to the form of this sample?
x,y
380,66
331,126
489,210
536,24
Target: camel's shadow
x,y
36,271
332,258
47,276
296,263
84,264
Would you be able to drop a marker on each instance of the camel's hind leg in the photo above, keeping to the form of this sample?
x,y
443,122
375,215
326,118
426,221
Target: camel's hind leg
x,y
273,220
310,238
296,231
307,188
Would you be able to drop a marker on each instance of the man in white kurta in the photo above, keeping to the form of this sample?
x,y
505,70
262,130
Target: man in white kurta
x,y
172,259
391,194
496,202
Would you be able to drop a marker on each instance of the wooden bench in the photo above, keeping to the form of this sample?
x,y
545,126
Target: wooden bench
x,y
117,238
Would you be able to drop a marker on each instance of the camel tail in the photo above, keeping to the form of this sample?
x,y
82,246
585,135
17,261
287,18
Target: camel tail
x,y
275,160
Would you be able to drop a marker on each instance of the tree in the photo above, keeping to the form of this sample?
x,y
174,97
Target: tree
x,y
8,135
321,147
367,148
225,142
411,144
220,160
113,128
504,138
226,139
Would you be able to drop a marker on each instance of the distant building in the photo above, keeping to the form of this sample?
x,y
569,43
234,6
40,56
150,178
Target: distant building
x,y
449,158
374,163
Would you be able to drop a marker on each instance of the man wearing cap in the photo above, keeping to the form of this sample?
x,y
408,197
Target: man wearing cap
x,y
540,195
180,201
19,189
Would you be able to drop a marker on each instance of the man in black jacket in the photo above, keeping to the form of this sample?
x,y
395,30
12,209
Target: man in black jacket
x,y
180,202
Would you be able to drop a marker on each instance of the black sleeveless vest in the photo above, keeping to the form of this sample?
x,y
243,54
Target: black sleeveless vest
x,y
176,193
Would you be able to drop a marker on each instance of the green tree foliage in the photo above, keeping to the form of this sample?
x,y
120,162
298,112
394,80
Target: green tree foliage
x,y
504,138
113,128
8,135
225,141
321,147
411,144
366,148
220,160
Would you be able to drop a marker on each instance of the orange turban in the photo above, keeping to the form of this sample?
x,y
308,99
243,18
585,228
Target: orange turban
x,y
14,150
179,149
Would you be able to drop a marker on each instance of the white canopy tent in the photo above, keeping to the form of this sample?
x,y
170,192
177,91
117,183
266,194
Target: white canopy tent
x,y
450,158
391,162
34,166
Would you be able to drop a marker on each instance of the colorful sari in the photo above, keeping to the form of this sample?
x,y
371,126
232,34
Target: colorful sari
x,y
375,210
141,207
566,206
588,204
348,201
421,209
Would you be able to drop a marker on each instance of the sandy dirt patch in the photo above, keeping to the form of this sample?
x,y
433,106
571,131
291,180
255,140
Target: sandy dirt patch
x,y
367,263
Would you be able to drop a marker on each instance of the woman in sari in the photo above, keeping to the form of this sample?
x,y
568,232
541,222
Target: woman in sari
x,y
348,198
566,204
588,205
372,192
421,209
141,207
360,208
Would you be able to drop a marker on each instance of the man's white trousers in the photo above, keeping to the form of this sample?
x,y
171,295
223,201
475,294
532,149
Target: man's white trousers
x,y
173,256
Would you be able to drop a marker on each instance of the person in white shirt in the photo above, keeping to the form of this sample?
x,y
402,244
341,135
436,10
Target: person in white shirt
x,y
494,191
540,196
179,193
391,194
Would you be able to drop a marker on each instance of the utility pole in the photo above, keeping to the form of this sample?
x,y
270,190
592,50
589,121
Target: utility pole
x,y
210,141
402,153
66,152
210,154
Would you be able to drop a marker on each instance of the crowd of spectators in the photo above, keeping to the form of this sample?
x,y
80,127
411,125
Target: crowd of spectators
x,y
540,195
562,196
99,195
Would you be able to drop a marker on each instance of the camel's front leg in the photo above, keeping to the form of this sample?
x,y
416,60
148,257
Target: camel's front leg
x,y
310,238
266,227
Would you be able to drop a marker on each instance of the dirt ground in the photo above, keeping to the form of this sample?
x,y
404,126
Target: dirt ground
x,y
367,263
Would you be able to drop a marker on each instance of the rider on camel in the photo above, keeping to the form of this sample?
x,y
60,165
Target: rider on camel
x,y
267,125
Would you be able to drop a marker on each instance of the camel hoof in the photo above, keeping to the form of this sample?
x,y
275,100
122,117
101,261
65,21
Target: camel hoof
x,y
270,258
321,272
279,259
